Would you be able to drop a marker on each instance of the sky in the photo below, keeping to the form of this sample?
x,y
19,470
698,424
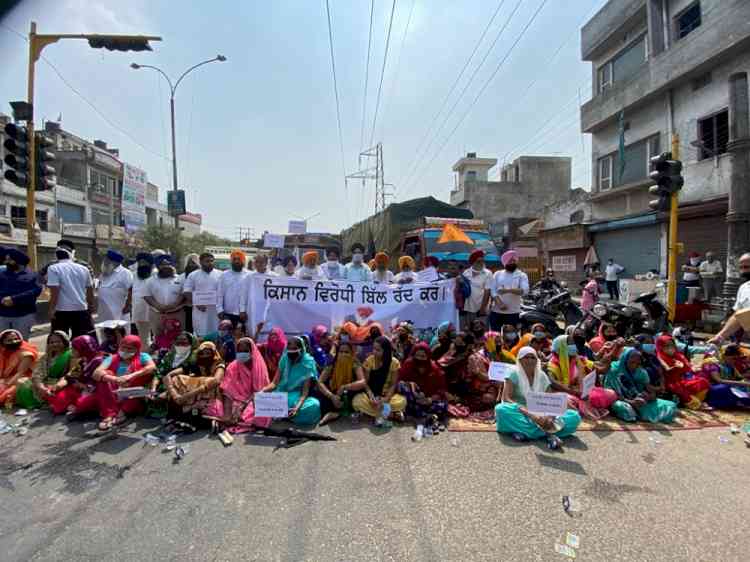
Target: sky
x,y
257,135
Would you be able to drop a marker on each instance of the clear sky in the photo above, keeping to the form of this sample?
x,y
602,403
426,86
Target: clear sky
x,y
257,136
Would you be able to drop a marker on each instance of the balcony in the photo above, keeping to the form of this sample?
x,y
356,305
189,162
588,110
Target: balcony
x,y
724,34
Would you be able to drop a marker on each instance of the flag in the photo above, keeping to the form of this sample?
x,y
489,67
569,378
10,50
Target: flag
x,y
621,150
452,233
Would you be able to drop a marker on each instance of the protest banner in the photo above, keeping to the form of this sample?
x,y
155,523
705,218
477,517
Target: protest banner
x,y
498,371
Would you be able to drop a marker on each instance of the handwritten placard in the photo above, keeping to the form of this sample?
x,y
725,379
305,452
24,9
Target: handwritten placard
x,y
271,405
273,240
204,298
427,275
499,371
588,384
133,392
547,404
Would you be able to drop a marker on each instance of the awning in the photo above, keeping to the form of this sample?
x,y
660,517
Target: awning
x,y
629,222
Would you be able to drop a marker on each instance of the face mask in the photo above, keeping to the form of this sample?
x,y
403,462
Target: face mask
x,y
511,336
207,268
648,348
333,263
539,335
572,350
144,271
745,275
511,267
242,356
165,273
694,261
12,346
358,258
237,267
182,349
126,355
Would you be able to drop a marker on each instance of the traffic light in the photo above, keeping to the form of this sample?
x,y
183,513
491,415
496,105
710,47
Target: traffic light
x,y
667,175
119,43
45,173
17,157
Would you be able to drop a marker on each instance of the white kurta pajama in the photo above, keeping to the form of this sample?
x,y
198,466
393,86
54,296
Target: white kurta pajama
x,y
204,321
112,294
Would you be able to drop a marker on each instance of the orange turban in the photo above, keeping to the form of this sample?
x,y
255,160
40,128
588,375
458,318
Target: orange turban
x,y
407,260
381,258
310,258
238,254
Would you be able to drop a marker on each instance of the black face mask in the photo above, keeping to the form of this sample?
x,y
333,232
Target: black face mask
x,y
12,346
610,337
144,271
511,267
237,267
745,275
293,356
580,342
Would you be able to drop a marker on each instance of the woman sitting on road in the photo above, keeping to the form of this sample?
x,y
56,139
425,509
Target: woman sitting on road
x,y
79,395
441,342
320,346
536,338
455,365
381,375
567,369
634,400
497,346
17,359
48,376
578,336
339,382
403,341
272,350
193,386
296,375
180,355
607,333
129,367
678,378
480,393
422,382
512,416
234,409
728,379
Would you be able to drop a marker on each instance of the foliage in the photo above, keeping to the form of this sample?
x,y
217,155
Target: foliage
x,y
174,242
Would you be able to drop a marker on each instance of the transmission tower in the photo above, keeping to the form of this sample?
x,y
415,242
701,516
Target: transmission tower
x,y
373,171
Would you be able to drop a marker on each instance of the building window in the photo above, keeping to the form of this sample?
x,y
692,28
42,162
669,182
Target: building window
x,y
576,217
71,214
605,173
517,174
471,176
99,217
687,20
41,220
713,134
623,65
18,216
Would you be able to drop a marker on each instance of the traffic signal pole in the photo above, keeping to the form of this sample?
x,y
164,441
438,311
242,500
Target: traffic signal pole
x,y
673,244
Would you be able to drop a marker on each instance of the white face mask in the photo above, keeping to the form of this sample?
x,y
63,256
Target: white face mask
x,y
358,258
107,267
694,261
333,263
182,349
126,355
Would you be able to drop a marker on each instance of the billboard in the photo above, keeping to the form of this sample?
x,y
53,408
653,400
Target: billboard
x,y
133,197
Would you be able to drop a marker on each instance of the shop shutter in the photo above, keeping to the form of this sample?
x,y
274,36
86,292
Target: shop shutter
x,y
635,249
702,235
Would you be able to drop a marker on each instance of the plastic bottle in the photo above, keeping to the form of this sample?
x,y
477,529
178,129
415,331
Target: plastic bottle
x,y
346,408
171,443
418,433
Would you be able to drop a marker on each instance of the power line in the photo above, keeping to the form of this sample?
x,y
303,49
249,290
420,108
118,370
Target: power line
x,y
336,89
419,158
489,80
389,96
382,71
367,77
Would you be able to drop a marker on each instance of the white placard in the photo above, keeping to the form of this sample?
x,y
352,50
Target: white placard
x,y
297,227
271,405
546,403
204,298
273,240
427,275
132,392
588,384
499,371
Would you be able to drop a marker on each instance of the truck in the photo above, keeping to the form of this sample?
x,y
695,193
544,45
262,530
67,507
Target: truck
x,y
414,227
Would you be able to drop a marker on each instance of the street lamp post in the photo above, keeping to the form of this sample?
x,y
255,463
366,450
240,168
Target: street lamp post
x,y
173,89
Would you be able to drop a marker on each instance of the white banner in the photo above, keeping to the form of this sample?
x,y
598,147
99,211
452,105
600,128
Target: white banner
x,y
296,306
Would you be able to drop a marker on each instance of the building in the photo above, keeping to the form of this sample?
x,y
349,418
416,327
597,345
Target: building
x,y
527,185
661,67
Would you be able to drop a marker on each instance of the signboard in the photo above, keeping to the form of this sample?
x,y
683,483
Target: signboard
x,y
204,298
588,384
133,197
499,371
564,263
273,240
271,405
547,403
176,202
297,227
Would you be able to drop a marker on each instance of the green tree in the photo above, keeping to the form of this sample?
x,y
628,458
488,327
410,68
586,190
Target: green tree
x,y
173,241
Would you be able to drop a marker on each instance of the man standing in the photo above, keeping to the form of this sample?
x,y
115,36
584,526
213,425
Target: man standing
x,y
690,271
508,287
480,279
733,325
201,288
382,274
332,269
357,270
113,292
163,293
711,273
231,283
19,290
71,302
611,276
261,268
144,270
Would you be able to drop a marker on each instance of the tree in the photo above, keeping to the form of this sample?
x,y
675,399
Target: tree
x,y
173,241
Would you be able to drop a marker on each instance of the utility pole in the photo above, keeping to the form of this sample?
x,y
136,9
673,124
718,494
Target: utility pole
x,y
673,244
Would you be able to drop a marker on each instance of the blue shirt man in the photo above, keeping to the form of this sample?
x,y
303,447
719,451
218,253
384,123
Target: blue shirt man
x,y
19,290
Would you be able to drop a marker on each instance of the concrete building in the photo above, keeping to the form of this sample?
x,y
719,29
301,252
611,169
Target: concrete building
x,y
661,67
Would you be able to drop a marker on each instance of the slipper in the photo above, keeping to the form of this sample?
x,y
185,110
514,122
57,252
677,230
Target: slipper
x,y
106,424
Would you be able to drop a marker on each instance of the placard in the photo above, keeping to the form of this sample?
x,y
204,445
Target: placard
x,y
427,275
588,384
273,240
271,405
499,371
546,403
133,392
297,227
204,298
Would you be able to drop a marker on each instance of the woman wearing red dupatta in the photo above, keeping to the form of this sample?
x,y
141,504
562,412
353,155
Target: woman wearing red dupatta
x,y
691,391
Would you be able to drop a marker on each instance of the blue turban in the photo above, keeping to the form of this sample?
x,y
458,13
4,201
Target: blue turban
x,y
116,257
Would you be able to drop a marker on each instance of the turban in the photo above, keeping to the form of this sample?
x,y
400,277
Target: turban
x,y
381,258
238,254
17,256
431,261
508,256
115,257
475,256
164,258
143,256
310,258
407,260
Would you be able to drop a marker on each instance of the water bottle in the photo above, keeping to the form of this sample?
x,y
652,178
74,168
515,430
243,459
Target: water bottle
x,y
386,411
418,433
171,443
151,439
346,408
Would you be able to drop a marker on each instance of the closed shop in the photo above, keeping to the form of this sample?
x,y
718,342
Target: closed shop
x,y
631,243
702,229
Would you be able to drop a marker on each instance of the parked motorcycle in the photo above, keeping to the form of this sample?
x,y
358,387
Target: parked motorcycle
x,y
629,321
549,310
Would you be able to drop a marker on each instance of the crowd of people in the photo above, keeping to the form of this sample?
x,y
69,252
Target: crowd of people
x,y
199,365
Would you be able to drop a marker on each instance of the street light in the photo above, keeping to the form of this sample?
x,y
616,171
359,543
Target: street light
x,y
173,89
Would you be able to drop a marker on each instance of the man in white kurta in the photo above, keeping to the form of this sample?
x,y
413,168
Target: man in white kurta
x,y
113,292
231,285
201,288
141,314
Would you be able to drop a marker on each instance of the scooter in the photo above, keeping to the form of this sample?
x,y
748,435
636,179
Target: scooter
x,y
548,312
